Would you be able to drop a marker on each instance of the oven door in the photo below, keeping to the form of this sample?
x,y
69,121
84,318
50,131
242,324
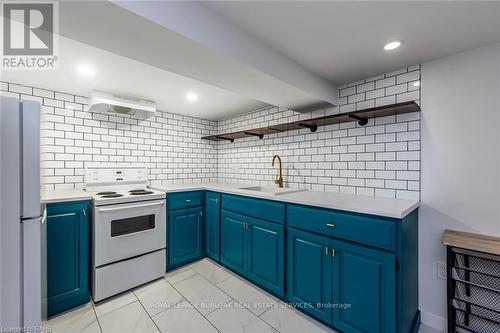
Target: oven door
x,y
126,230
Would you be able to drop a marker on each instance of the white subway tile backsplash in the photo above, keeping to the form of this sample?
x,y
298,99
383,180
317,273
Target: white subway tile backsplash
x,y
16,88
53,102
389,81
409,96
362,87
381,158
385,100
407,77
64,97
71,136
363,157
398,89
375,94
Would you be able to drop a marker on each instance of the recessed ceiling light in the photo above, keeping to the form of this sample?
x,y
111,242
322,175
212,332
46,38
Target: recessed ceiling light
x,y
85,70
192,97
416,84
392,45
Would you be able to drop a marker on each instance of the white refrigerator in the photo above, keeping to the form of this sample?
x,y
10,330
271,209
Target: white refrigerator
x,y
20,210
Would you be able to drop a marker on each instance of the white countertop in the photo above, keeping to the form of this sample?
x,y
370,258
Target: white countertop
x,y
395,208
52,196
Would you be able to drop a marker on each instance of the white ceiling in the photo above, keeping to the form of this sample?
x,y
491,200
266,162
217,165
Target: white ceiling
x,y
342,41
121,75
240,56
158,33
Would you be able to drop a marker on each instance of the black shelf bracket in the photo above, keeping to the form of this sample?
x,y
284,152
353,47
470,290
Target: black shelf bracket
x,y
223,138
255,134
313,128
362,121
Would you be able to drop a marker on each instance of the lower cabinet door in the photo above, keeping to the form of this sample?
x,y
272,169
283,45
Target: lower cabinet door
x,y
212,225
68,244
233,251
185,236
266,254
365,282
309,273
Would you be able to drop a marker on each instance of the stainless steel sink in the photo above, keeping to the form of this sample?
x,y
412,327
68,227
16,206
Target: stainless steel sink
x,y
271,190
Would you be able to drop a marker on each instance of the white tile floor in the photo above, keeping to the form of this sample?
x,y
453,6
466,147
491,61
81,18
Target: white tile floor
x,y
202,297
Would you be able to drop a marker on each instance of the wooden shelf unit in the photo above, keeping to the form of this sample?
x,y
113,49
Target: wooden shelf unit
x,y
361,116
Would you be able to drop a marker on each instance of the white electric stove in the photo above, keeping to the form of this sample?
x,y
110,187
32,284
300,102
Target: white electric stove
x,y
128,229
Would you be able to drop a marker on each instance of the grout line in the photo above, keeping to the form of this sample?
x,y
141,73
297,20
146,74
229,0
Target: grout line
x,y
183,278
150,318
95,314
116,296
196,309
234,300
175,304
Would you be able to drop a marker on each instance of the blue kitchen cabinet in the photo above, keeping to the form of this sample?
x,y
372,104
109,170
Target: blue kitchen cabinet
x,y
364,280
185,236
355,272
255,249
309,273
212,225
266,254
348,286
367,273
234,250
68,244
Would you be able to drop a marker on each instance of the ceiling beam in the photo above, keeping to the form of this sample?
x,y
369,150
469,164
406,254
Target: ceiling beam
x,y
190,40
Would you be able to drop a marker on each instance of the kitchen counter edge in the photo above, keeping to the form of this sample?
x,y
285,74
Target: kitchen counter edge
x,y
386,207
56,196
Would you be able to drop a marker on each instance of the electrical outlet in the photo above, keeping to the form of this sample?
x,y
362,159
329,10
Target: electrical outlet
x,y
442,272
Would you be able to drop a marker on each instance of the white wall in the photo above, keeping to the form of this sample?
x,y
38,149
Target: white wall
x,y
460,179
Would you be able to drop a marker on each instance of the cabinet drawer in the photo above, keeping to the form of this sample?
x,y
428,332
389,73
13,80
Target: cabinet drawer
x,y
365,229
185,200
262,209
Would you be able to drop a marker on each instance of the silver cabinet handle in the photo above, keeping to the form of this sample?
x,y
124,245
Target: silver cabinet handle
x,y
330,225
84,212
330,251
188,200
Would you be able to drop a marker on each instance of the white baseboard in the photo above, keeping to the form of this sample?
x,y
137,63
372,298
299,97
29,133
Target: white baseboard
x,y
431,320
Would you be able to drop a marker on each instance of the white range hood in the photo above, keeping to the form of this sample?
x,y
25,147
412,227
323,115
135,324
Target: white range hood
x,y
113,103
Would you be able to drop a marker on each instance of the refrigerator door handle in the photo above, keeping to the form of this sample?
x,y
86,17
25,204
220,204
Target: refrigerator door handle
x,y
30,159
32,273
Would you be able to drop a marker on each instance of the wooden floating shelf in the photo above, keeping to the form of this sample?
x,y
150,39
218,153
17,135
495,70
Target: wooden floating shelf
x,y
361,116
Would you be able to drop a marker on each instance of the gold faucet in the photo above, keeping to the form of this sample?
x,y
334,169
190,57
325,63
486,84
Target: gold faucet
x,y
279,178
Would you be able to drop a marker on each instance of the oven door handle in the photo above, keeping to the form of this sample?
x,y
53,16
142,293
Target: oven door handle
x,y
112,209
